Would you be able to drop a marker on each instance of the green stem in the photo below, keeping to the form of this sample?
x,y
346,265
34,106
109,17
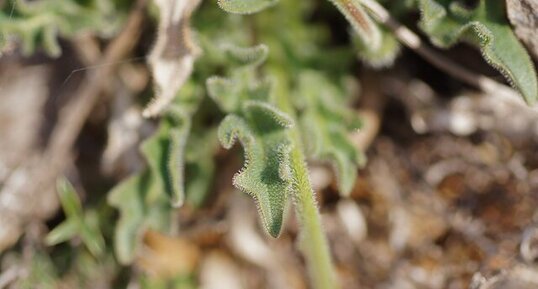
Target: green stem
x,y
313,242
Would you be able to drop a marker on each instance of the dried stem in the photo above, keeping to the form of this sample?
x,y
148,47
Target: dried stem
x,y
413,41
41,174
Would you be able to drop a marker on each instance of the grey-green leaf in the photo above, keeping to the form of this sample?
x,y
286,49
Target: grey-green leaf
x,y
326,122
266,175
447,22
252,56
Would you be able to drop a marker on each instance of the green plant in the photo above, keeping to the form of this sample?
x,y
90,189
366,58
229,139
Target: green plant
x,y
271,110
37,24
284,101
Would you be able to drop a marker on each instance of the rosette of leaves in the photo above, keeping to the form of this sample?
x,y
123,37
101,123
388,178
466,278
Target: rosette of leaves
x,y
446,22
327,120
262,130
38,24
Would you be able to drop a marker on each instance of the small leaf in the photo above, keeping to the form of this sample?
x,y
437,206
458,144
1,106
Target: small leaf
x,y
251,56
447,22
77,223
137,213
61,233
91,234
128,198
245,6
225,92
384,55
69,199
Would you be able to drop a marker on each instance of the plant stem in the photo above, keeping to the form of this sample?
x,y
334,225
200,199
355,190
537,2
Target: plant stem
x,y
312,242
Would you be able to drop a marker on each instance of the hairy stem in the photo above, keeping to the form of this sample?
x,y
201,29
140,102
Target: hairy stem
x,y
313,242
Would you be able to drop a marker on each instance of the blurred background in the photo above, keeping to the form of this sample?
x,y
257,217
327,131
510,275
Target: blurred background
x,y
446,200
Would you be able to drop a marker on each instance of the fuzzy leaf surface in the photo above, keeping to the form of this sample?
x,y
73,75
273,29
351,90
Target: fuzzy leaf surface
x,y
326,123
266,176
447,22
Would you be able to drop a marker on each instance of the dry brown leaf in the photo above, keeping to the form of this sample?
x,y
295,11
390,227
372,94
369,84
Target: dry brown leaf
x,y
173,56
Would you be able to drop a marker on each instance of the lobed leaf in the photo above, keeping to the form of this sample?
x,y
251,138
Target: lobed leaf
x,y
447,22
326,123
137,213
266,176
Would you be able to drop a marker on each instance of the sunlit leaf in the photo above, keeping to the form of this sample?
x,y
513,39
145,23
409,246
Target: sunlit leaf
x,y
266,175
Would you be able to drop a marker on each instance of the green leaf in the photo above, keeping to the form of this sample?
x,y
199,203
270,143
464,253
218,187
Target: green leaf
x,y
326,123
266,176
225,92
447,22
61,233
128,198
176,161
77,223
69,199
200,165
384,55
39,23
137,213
245,6
251,56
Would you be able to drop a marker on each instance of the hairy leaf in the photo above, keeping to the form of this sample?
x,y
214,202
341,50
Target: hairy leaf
x,y
266,176
137,213
245,6
384,55
251,56
446,22
326,123
200,165
37,24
